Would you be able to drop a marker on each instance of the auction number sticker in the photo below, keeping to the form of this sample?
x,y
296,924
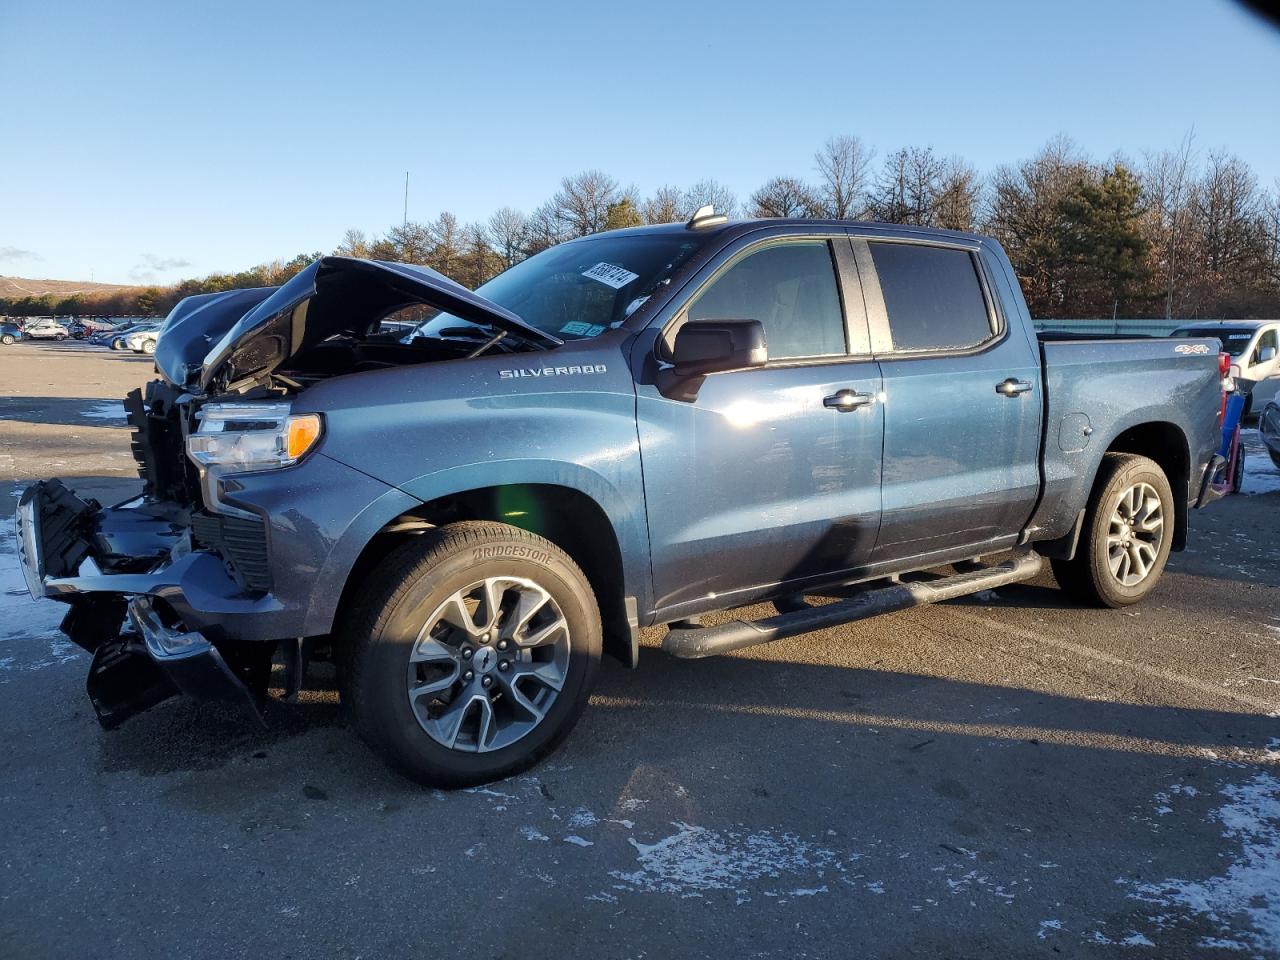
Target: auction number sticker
x,y
610,275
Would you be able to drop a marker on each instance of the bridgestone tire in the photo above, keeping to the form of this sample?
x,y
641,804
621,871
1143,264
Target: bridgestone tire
x,y
397,599
1088,576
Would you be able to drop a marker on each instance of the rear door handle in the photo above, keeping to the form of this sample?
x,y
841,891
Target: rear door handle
x,y
1012,387
848,400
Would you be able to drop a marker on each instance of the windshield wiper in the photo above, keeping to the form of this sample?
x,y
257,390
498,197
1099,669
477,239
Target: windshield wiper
x,y
478,333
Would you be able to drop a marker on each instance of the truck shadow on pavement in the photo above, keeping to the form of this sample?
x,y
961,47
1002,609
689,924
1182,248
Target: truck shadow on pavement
x,y
749,707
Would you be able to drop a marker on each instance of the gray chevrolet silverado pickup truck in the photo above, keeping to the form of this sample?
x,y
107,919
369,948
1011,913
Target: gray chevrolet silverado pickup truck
x,y
466,498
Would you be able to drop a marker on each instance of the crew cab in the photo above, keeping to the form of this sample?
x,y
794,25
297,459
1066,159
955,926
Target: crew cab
x,y
627,430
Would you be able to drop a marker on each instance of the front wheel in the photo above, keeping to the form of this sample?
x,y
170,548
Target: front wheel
x,y
7,340
471,653
148,347
1128,532
59,337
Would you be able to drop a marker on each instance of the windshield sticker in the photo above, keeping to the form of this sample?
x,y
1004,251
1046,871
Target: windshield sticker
x,y
635,305
609,275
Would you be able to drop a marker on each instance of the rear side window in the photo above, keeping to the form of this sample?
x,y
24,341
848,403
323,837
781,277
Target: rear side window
x,y
791,289
932,296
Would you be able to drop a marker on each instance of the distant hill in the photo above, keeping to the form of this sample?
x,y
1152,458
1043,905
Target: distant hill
x,y
15,288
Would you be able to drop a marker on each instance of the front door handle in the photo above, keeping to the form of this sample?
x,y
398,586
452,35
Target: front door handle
x,y
848,400
1012,387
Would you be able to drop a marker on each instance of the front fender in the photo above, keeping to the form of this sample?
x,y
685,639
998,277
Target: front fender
x,y
625,516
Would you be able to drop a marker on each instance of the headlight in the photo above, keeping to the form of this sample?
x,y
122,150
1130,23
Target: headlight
x,y
252,436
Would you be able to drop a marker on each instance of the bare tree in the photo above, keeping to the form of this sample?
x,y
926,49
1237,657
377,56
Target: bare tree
x,y
665,206
1165,181
844,165
1228,226
354,244
711,192
544,229
908,186
581,204
955,206
509,232
785,197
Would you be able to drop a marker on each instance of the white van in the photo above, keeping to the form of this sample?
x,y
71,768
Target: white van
x,y
1253,345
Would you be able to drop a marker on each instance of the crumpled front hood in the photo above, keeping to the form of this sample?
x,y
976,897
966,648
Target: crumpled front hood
x,y
194,325
242,336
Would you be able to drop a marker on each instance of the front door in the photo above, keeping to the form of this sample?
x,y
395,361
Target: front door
x,y
772,474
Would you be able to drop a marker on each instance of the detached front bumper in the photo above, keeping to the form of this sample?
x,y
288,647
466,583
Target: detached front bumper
x,y
74,550
140,656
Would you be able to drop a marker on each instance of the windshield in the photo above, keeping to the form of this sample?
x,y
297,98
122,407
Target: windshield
x,y
580,289
1234,340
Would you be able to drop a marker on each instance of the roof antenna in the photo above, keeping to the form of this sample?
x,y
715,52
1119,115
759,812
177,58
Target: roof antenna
x,y
705,216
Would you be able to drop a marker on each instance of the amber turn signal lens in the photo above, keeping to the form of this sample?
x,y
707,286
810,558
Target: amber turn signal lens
x,y
304,431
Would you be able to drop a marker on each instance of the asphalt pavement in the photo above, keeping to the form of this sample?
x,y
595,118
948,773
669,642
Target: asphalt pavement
x,y
1009,775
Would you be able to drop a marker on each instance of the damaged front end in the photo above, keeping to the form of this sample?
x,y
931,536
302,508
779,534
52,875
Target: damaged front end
x,y
190,588
112,567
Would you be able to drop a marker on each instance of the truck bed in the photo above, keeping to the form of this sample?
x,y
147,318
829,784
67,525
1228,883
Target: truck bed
x,y
1096,388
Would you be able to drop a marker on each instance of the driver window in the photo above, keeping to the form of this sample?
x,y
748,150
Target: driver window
x,y
1268,339
790,287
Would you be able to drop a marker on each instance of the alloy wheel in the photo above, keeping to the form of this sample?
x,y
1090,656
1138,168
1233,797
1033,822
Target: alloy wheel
x,y
488,664
1135,534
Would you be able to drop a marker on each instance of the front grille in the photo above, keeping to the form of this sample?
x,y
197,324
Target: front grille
x,y
158,444
241,541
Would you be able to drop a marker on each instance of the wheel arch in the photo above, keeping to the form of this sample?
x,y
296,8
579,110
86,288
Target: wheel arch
x,y
565,515
1166,444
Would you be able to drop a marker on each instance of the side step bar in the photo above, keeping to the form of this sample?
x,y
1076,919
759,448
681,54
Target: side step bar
x,y
691,643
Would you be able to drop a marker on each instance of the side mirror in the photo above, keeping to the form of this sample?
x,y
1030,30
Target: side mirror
x,y
1266,354
712,346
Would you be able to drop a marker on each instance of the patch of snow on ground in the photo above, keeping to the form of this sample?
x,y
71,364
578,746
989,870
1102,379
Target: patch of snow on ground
x,y
106,410
1260,474
1250,887
694,859
22,618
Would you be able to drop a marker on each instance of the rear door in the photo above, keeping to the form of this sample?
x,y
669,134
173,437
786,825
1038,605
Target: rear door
x,y
766,477
962,398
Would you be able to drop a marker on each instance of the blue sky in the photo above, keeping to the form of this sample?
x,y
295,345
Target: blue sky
x,y
151,141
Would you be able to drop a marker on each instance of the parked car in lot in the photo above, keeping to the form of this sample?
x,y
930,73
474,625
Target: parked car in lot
x,y
1269,427
143,341
1254,346
119,340
464,520
10,333
45,328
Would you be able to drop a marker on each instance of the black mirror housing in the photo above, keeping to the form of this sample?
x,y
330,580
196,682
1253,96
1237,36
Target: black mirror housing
x,y
715,346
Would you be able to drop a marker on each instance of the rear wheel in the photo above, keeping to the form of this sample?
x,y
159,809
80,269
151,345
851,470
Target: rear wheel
x,y
7,340
1127,535
471,654
59,337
